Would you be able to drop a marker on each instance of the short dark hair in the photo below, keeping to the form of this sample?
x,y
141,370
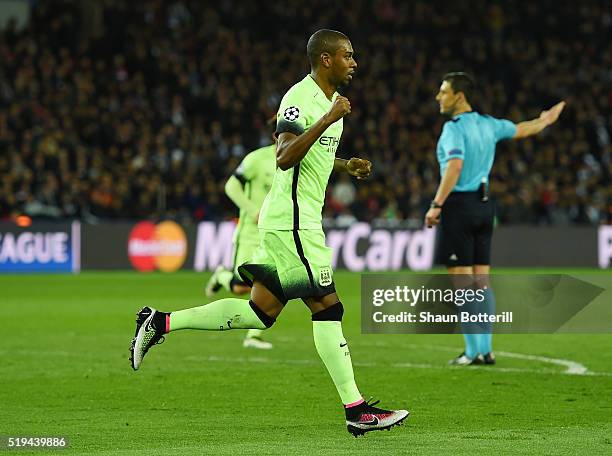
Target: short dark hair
x,y
461,82
323,40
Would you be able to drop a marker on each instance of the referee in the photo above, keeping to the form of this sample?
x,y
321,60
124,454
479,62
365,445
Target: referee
x,y
465,152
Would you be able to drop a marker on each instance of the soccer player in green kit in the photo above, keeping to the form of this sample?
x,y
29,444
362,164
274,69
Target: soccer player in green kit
x,y
292,260
247,188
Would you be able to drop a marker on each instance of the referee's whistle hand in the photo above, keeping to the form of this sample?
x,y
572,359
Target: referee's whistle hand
x,y
432,218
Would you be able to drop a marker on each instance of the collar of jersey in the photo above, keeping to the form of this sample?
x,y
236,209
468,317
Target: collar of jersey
x,y
314,83
466,112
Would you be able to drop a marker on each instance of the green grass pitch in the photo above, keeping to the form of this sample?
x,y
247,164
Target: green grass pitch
x,y
65,371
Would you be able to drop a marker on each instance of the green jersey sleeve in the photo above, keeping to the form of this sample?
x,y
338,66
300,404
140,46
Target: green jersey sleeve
x,y
246,170
292,116
296,198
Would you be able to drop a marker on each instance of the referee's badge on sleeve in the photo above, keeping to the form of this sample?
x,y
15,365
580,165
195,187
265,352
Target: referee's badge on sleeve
x,y
292,113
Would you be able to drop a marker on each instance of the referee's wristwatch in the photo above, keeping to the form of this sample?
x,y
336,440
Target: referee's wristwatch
x,y
435,205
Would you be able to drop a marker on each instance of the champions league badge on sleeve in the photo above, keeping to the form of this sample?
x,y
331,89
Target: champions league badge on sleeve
x,y
291,114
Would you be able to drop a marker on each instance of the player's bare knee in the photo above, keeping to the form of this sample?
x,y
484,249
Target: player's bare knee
x,y
266,319
240,289
321,303
481,276
461,276
332,313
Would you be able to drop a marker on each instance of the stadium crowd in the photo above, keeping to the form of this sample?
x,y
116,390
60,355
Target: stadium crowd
x,y
115,110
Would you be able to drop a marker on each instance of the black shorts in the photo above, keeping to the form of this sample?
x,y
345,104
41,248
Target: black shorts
x,y
466,228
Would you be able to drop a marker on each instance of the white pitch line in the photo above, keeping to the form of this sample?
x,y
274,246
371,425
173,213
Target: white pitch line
x,y
264,360
571,367
492,369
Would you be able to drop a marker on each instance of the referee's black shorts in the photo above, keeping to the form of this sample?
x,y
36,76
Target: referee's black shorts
x,y
466,227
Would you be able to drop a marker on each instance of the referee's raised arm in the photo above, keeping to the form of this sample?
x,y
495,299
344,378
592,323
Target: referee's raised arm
x,y
535,126
461,206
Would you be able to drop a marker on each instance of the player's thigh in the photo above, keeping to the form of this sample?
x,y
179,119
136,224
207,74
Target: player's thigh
x,y
323,293
262,268
317,304
304,264
265,300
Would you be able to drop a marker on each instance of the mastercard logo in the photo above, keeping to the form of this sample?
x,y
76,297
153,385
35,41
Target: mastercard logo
x,y
162,246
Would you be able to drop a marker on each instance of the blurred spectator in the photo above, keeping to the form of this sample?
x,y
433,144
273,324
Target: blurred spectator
x,y
145,112
343,193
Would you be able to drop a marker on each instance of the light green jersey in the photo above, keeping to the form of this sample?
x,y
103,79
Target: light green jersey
x,y
256,172
297,195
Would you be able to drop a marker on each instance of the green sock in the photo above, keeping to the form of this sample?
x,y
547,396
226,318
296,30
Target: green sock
x,y
224,278
229,313
334,352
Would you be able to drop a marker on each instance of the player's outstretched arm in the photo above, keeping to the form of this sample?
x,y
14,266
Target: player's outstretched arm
x,y
535,126
358,167
235,191
290,148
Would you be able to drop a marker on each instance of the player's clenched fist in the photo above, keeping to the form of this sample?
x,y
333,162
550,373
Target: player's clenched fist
x,y
359,167
339,109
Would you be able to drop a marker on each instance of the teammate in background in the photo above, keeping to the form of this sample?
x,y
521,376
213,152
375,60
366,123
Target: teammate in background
x,y
292,260
465,151
247,188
